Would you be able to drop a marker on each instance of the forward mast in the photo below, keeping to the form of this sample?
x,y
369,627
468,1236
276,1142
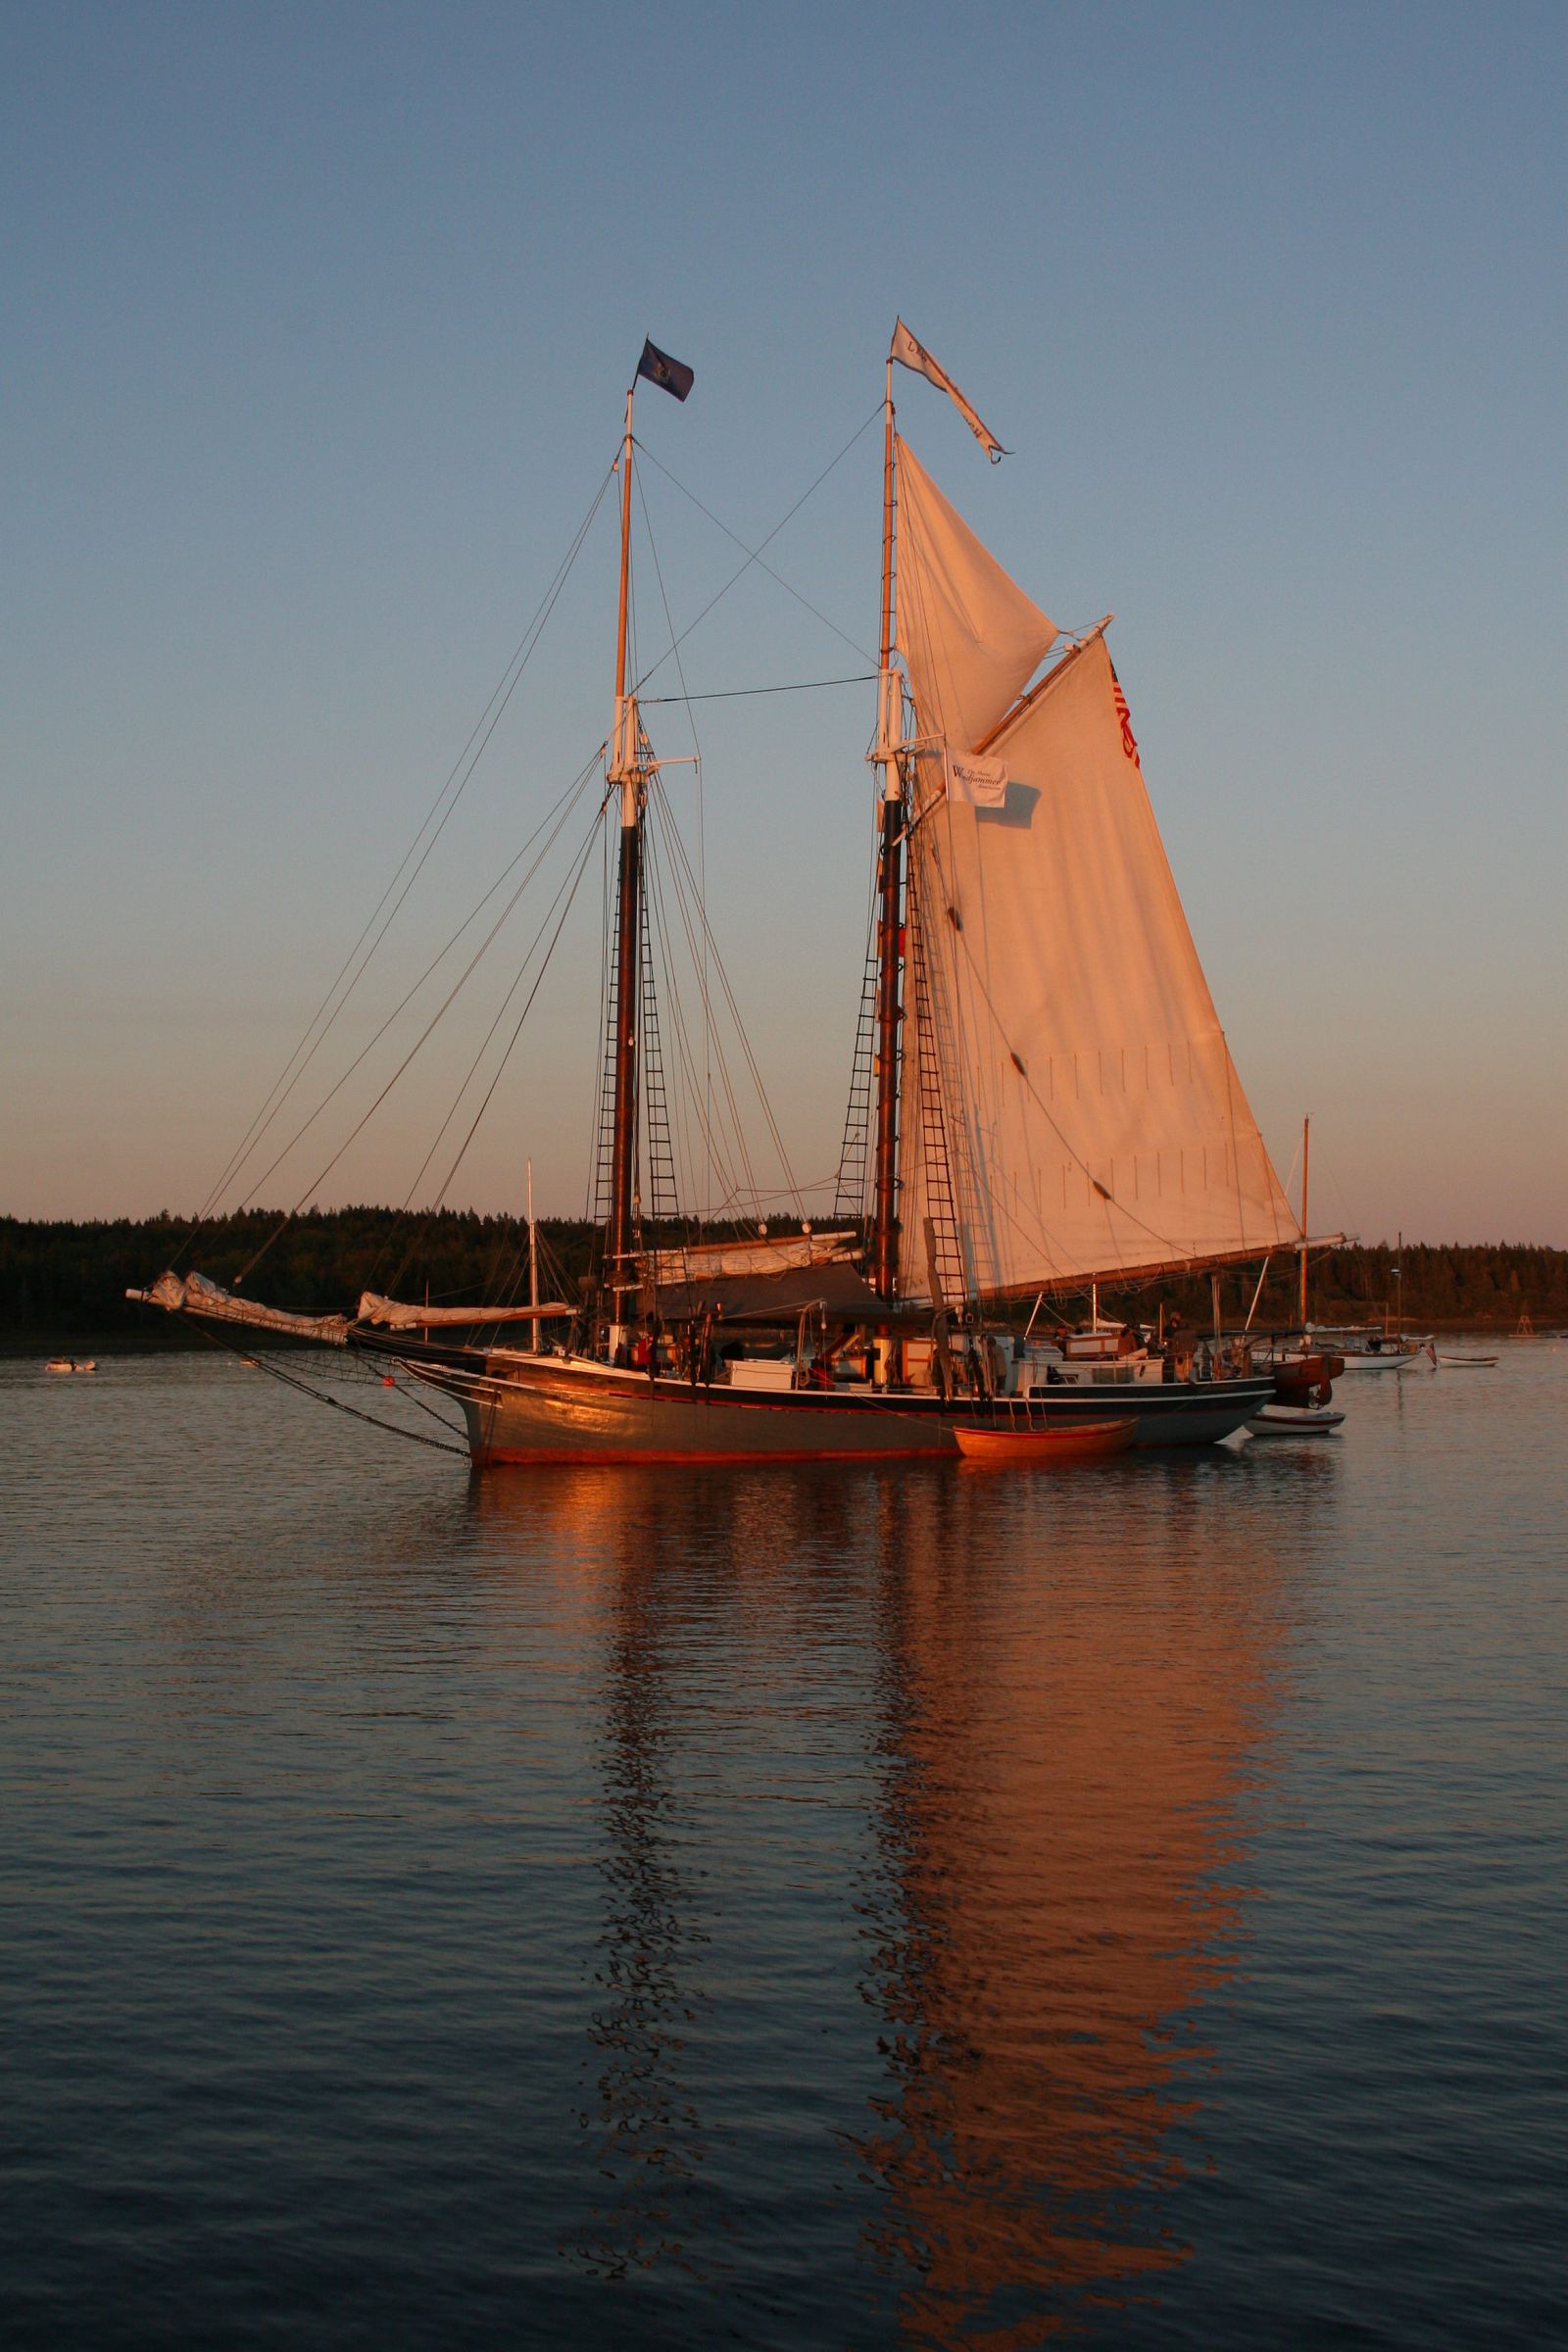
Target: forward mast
x,y
629,770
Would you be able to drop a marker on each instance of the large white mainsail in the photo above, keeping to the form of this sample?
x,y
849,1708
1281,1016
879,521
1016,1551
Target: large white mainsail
x,y
1087,1119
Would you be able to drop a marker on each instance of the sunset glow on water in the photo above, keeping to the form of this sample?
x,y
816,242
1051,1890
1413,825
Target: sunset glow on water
x,y
807,1906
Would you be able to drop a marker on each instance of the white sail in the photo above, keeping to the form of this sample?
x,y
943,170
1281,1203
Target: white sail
x,y
968,634
1092,1123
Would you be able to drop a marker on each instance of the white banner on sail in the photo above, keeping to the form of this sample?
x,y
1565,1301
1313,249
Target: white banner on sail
x,y
980,783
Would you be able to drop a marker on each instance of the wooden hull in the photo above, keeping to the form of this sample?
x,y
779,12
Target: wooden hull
x,y
532,1410
1035,1449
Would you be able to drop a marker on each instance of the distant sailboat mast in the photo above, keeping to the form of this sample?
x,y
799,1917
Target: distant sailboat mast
x,y
533,1266
1307,1130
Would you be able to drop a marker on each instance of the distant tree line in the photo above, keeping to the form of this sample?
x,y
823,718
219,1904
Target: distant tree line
x,y
1485,1284
65,1279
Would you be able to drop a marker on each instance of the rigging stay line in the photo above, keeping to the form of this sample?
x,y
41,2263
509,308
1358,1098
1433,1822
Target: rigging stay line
x,y
734,693
290,1380
462,771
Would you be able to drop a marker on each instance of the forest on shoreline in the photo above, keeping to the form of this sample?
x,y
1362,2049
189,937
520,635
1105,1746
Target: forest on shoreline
x,y
63,1280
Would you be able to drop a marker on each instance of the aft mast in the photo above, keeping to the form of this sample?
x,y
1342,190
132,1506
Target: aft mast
x,y
884,1254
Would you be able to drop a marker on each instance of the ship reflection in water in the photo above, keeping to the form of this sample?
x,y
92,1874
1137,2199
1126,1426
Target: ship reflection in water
x,y
1058,1889
648,2140
1020,1724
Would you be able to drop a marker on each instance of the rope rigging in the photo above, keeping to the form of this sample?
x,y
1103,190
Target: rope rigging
x,y
564,811
459,774
564,898
754,554
736,694
726,1156
291,1380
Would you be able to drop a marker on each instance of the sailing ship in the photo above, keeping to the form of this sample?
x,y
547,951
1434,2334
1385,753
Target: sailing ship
x,y
1046,1098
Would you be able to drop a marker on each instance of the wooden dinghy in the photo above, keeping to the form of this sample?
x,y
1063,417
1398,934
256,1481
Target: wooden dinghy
x,y
1061,1441
1468,1359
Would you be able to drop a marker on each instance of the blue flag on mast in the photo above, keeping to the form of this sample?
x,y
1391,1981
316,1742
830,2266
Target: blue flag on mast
x,y
659,369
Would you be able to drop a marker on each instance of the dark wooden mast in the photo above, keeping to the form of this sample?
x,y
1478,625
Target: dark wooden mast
x,y
626,771
884,1250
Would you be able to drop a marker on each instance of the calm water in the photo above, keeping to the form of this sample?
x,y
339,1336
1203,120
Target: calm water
x,y
785,1908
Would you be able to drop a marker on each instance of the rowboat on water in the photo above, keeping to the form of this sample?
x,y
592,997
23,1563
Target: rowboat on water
x,y
1059,1444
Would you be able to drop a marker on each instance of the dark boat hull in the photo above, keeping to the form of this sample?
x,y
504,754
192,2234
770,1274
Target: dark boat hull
x,y
532,1410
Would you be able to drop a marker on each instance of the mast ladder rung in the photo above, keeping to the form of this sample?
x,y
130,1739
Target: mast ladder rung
x,y
855,1149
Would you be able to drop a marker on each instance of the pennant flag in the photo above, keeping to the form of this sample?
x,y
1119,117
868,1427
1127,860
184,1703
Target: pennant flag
x,y
982,783
911,354
1129,741
659,369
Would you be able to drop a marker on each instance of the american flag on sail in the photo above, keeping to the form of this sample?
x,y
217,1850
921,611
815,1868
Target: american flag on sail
x,y
1129,741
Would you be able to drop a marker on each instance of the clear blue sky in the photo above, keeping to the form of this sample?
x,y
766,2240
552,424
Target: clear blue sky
x,y
317,325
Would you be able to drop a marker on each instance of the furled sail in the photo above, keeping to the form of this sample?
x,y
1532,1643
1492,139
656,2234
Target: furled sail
x,y
969,636
194,1295
762,1253
405,1314
1069,1105
764,1278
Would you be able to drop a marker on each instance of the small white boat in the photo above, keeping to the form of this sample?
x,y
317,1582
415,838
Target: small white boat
x,y
1365,1348
1468,1359
1294,1421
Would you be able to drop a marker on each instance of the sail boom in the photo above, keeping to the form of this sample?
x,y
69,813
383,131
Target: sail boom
x,y
1111,1278
403,1315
